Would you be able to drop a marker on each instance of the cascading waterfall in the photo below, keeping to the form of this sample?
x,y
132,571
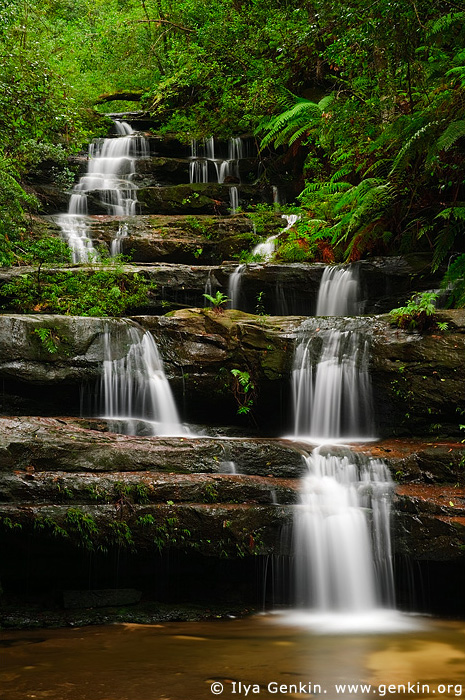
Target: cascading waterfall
x,y
205,166
331,385
338,294
136,395
343,565
266,249
340,565
110,170
234,199
234,286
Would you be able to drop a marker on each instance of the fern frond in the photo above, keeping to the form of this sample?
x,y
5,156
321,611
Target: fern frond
x,y
298,118
358,192
416,144
455,279
372,207
446,21
342,172
455,225
454,132
380,168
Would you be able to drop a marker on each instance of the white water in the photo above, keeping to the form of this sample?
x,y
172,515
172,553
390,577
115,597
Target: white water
x,y
205,166
234,199
338,293
340,565
266,249
109,174
331,386
234,286
342,549
136,395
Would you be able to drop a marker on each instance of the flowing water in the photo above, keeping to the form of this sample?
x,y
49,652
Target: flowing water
x,y
342,551
110,170
263,250
266,249
205,166
136,395
338,294
232,659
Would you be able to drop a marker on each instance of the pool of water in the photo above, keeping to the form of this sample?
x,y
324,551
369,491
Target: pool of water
x,y
236,658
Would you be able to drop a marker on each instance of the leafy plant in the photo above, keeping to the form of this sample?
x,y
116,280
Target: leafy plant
x,y
417,313
218,301
243,389
49,339
104,291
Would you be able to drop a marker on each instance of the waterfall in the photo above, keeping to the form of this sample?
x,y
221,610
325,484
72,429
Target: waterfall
x,y
111,167
136,395
341,536
204,164
331,385
234,199
266,249
338,294
234,286
340,565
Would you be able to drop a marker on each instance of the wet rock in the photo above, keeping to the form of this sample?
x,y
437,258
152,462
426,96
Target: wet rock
x,y
419,379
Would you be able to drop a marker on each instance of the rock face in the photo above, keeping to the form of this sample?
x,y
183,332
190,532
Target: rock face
x,y
419,381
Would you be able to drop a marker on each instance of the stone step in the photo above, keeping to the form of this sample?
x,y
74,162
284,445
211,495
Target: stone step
x,y
125,489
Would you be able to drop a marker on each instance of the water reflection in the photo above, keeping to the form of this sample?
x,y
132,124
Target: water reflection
x,y
246,658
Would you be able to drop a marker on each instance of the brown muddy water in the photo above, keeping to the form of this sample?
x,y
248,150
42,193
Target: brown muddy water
x,y
237,658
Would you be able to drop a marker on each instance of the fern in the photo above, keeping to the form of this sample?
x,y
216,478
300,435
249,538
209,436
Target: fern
x,y
453,133
445,22
48,338
455,218
416,145
287,127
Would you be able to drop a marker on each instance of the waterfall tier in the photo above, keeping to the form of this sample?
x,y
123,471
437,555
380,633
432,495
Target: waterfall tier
x,y
111,167
339,564
331,385
338,294
136,395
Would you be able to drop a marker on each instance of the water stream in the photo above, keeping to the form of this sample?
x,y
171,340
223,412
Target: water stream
x,y
136,395
342,553
110,170
263,250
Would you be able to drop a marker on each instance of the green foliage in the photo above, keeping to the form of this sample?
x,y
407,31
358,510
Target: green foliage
x,y
211,493
48,338
82,527
243,389
120,534
103,291
218,301
417,313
